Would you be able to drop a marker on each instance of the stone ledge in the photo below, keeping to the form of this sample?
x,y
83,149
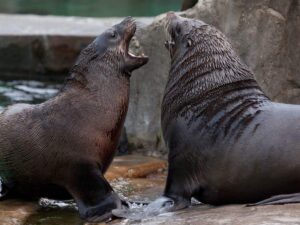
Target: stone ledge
x,y
58,25
34,47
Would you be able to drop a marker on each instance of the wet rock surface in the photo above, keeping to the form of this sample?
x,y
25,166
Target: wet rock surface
x,y
133,177
148,185
227,215
13,212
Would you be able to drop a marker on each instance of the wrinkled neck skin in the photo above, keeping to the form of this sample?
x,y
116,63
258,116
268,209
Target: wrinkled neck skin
x,y
103,82
210,88
91,70
96,97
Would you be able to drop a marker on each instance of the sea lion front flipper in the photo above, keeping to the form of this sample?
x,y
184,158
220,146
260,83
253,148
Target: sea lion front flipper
x,y
279,200
94,196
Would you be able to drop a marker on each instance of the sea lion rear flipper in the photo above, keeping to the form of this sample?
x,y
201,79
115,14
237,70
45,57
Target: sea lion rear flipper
x,y
94,196
279,200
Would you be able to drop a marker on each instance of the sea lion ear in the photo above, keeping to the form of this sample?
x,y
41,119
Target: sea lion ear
x,y
189,43
167,45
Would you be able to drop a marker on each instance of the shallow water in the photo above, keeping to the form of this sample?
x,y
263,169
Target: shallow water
x,y
26,92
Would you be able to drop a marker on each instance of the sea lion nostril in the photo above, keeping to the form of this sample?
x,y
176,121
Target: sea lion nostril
x,y
177,29
171,15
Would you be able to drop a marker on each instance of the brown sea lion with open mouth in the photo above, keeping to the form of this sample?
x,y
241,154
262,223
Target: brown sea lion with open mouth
x,y
228,142
63,146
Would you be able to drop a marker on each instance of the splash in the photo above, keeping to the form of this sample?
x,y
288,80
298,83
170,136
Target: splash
x,y
140,211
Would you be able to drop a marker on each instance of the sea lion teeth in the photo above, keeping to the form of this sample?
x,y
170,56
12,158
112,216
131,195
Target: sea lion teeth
x,y
131,54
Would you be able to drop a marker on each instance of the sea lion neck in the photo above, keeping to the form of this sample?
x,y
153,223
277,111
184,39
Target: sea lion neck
x,y
207,76
211,61
91,76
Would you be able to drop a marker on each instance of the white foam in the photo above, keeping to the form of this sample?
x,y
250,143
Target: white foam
x,y
139,212
50,203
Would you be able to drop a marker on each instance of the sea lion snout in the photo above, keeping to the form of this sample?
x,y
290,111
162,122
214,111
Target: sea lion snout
x,y
171,16
111,46
126,30
181,34
177,34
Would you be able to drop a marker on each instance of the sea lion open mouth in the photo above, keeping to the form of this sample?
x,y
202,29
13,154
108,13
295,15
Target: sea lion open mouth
x,y
132,61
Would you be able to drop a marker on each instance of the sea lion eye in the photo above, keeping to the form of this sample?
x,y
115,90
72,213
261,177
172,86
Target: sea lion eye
x,y
113,34
188,43
177,29
167,45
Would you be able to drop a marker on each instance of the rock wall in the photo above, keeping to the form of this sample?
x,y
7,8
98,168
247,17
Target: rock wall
x,y
265,33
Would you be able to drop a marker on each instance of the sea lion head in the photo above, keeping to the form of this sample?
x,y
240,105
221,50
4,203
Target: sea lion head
x,y
117,39
109,53
202,53
181,34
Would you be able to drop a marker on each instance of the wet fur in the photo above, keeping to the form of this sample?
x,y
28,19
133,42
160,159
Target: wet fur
x,y
228,143
63,146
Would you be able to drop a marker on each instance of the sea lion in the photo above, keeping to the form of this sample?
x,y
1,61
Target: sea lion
x,y
63,146
228,142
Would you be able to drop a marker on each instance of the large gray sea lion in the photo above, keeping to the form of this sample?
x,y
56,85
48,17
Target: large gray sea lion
x,y
63,146
228,142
